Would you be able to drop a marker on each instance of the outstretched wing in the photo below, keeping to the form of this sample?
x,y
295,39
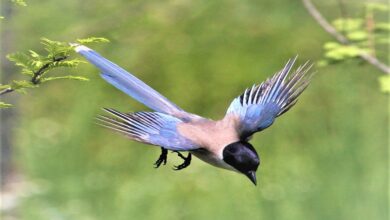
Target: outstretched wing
x,y
148,127
257,108
131,85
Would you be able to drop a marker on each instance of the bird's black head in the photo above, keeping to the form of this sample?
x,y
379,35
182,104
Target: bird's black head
x,y
243,157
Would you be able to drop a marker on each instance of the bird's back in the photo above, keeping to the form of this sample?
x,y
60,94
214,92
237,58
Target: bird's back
x,y
211,135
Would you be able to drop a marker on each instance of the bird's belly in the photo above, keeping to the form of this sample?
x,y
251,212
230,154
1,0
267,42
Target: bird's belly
x,y
211,159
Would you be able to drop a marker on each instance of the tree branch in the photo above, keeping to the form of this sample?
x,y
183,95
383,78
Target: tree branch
x,y
341,38
37,74
42,70
7,90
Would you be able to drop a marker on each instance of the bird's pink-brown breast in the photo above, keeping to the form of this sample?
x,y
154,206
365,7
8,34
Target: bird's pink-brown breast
x,y
213,136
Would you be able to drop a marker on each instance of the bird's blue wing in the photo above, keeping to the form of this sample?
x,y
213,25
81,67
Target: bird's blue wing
x,y
257,108
132,86
153,128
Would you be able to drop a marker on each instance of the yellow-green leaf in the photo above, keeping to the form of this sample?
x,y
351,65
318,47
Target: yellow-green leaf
x,y
93,40
19,2
349,24
382,26
20,85
377,6
34,54
4,86
80,78
5,105
357,35
342,52
384,82
331,45
322,63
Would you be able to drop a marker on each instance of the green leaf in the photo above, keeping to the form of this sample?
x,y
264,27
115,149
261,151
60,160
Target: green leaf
x,y
331,45
63,63
67,63
56,48
5,105
34,54
357,35
19,2
349,24
382,26
93,40
322,63
80,78
384,82
343,52
38,66
22,60
377,6
383,40
4,86
20,85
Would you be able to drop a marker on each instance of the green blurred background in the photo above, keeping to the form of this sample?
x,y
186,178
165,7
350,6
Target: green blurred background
x,y
327,158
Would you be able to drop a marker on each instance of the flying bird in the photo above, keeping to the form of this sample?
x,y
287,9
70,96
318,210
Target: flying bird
x,y
223,143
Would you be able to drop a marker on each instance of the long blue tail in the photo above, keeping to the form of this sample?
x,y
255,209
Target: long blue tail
x,y
129,84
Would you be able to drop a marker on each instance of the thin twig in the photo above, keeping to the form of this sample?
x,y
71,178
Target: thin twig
x,y
7,90
332,31
37,74
42,70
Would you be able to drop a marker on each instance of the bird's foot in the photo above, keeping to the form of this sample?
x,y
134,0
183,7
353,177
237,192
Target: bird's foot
x,y
162,159
186,163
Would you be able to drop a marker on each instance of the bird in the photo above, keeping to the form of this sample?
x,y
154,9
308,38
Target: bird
x,y
222,143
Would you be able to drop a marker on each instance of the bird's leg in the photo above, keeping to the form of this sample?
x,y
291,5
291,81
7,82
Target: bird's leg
x,y
186,163
162,158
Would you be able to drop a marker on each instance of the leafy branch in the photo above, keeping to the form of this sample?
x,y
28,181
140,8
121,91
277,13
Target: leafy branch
x,y
358,42
356,37
39,66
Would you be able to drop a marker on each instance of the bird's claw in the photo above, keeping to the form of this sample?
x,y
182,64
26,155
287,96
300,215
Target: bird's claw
x,y
186,163
162,159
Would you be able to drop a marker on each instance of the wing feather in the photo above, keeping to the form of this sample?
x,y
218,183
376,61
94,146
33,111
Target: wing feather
x,y
148,127
257,108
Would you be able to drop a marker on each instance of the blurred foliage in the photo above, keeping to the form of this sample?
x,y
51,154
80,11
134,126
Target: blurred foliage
x,y
327,158
5,105
385,83
19,2
37,66
366,34
336,51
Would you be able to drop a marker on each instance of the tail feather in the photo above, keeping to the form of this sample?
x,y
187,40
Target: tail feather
x,y
129,84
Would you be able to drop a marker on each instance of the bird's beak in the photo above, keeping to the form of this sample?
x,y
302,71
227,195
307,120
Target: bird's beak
x,y
252,176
